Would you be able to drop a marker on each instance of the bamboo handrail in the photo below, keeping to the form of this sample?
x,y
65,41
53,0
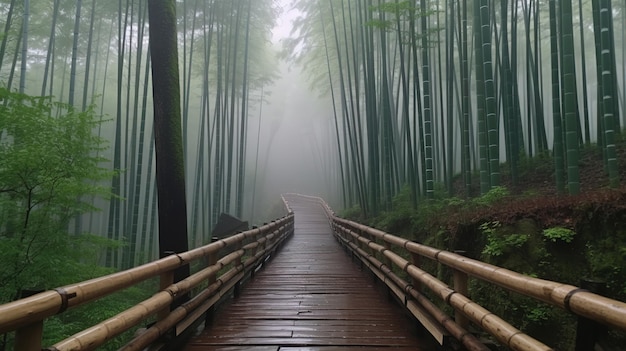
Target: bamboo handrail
x,y
496,326
261,242
374,247
569,297
468,340
578,301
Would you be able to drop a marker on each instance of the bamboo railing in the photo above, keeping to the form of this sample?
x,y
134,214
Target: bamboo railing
x,y
230,260
368,244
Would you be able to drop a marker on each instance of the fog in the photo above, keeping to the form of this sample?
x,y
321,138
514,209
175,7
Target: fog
x,y
296,148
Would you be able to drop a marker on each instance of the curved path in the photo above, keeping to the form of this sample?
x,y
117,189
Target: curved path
x,y
310,297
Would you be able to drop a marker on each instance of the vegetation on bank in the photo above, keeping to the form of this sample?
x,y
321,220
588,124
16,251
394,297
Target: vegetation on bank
x,y
531,231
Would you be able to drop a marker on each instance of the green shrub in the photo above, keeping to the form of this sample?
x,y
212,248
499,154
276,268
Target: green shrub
x,y
557,234
499,244
494,195
352,213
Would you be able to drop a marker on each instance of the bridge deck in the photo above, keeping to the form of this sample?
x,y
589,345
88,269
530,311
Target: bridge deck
x,y
310,297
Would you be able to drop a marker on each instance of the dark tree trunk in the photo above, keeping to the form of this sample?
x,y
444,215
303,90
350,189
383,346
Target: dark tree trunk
x,y
170,169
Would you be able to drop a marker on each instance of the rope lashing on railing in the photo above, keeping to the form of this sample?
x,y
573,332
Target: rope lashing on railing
x,y
65,298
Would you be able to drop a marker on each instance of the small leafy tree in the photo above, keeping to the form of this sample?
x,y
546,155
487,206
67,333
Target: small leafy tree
x,y
46,164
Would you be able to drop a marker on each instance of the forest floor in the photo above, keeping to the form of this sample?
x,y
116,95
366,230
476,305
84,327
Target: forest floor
x,y
535,194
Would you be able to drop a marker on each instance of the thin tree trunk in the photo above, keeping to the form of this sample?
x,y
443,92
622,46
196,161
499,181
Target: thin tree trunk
x,y
88,58
570,100
244,117
24,46
556,104
51,39
79,4
483,143
466,122
587,136
608,91
7,28
493,134
428,129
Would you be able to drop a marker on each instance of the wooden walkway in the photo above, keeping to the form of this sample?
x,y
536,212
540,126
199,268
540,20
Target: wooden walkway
x,y
310,297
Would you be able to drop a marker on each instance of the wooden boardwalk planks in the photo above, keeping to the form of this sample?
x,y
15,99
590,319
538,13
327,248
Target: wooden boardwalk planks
x,y
310,297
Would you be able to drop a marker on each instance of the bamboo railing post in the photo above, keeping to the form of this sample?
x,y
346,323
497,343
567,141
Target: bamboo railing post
x,y
210,313
166,279
266,244
350,239
28,338
270,243
237,289
588,332
415,260
386,259
460,285
254,251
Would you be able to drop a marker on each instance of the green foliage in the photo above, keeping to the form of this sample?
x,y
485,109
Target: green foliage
x,y
499,244
352,213
607,259
399,219
559,234
541,162
538,313
379,24
390,7
548,324
494,195
47,167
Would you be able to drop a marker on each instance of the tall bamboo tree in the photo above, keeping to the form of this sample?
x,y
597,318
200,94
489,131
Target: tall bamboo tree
x,y
607,63
569,97
557,149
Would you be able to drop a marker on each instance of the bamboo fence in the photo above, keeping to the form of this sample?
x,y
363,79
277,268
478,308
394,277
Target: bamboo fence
x,y
26,316
368,243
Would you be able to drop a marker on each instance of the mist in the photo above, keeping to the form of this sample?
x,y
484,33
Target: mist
x,y
296,147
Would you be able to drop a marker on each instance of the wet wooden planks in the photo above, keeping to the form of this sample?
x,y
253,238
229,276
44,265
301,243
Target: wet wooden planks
x,y
310,297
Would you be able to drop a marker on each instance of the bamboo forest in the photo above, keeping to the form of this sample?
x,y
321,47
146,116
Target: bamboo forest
x,y
127,128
